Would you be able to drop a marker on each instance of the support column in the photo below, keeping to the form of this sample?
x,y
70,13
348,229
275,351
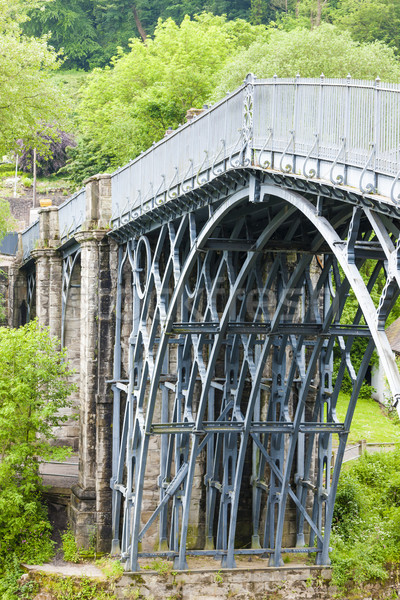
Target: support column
x,y
91,497
48,271
17,287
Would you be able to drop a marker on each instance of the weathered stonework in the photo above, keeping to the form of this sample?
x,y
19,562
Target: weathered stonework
x,y
91,498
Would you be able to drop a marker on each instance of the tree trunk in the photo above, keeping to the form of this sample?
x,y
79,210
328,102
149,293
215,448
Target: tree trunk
x,y
139,25
320,4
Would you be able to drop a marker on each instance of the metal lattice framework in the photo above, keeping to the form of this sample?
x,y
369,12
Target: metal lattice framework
x,y
245,240
70,260
30,293
236,314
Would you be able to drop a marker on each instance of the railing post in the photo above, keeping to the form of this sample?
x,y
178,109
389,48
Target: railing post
x,y
346,133
320,118
295,117
248,112
377,124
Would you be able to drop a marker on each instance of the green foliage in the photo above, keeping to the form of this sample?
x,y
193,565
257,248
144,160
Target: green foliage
x,y
370,20
27,182
218,578
127,106
71,25
10,572
325,50
27,99
163,567
33,388
366,529
112,569
70,549
89,32
68,588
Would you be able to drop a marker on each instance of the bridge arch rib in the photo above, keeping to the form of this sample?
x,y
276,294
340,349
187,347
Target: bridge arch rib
x,y
236,314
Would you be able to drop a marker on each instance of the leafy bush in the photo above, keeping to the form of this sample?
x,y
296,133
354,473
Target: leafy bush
x,y
27,182
347,506
34,387
55,157
70,549
366,528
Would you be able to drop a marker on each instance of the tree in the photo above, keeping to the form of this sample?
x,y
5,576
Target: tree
x,y
27,98
131,103
260,12
71,25
45,165
90,31
323,50
370,20
34,387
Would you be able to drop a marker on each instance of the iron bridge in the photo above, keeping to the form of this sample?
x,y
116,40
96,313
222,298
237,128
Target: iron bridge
x,y
258,246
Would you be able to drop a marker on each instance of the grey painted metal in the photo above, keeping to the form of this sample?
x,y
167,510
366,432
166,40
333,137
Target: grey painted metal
x,y
191,250
70,259
29,239
71,215
240,237
30,292
9,245
348,135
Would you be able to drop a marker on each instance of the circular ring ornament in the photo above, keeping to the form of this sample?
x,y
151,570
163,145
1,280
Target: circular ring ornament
x,y
142,248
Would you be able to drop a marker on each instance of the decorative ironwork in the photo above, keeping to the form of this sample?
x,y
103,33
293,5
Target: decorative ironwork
x,y
339,179
69,262
288,168
230,373
247,128
30,293
312,172
233,279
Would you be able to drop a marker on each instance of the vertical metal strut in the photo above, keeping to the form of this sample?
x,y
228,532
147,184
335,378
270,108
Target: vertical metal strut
x,y
224,396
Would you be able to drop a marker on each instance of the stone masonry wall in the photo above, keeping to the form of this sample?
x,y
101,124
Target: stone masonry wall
x,y
251,582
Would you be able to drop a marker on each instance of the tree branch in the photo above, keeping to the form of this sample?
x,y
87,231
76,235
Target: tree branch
x,y
139,25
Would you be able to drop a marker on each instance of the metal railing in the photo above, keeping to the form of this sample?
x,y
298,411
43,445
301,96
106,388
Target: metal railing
x,y
71,215
181,161
343,131
29,238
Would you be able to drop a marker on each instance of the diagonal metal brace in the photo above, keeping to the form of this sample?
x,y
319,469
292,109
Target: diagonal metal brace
x,y
169,492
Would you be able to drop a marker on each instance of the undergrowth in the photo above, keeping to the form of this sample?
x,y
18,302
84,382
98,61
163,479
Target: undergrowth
x,y
366,528
68,588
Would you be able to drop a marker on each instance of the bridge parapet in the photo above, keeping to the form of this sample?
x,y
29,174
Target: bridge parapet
x,y
344,132
340,132
72,214
29,238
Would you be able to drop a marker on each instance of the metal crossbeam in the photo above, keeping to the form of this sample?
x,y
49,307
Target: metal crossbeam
x,y
236,284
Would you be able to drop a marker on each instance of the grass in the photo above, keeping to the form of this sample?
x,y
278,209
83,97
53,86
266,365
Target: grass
x,y
370,421
45,185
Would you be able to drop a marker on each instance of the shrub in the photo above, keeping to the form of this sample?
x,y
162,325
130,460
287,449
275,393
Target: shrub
x,y
70,549
34,387
366,527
